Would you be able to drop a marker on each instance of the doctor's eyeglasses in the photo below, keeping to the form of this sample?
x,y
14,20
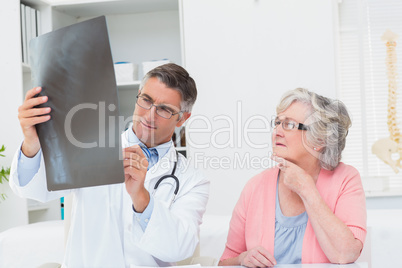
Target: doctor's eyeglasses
x,y
162,110
288,124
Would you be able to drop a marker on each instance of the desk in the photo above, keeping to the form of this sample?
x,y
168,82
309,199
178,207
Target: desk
x,y
315,265
324,265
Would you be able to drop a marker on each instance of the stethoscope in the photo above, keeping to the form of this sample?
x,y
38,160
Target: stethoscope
x,y
172,175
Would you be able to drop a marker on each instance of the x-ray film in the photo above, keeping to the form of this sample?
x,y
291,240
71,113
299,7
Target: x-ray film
x,y
81,141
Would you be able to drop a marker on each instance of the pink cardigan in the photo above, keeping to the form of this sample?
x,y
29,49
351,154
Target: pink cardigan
x,y
253,218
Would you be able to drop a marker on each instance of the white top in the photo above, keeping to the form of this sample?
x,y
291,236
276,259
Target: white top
x,y
289,234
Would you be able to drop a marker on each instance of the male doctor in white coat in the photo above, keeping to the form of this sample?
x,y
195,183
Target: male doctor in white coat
x,y
123,224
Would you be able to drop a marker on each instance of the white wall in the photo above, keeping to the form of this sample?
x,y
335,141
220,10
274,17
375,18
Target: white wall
x,y
12,211
244,55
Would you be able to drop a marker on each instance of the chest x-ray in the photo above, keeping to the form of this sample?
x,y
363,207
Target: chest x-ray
x,y
81,141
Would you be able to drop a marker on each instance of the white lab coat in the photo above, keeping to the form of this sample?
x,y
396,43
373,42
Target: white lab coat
x,y
104,231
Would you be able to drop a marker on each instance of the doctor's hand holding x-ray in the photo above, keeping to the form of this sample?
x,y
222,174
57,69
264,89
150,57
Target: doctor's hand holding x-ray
x,y
120,225
29,116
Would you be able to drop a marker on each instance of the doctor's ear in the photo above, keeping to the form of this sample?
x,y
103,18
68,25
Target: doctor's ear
x,y
183,119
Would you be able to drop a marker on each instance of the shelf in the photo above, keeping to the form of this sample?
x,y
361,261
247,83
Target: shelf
x,y
122,85
372,194
36,3
92,8
129,85
37,208
34,205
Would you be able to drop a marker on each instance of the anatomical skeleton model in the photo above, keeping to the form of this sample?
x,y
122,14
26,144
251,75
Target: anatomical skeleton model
x,y
386,147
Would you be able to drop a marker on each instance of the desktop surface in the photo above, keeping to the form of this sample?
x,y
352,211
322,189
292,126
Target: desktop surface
x,y
314,265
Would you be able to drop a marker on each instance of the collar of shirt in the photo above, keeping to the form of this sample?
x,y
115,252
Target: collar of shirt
x,y
132,139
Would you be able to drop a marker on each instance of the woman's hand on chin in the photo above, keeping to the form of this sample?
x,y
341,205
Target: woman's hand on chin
x,y
294,177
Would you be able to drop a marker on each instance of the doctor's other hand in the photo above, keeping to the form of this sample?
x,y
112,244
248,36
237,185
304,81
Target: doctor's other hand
x,y
257,257
135,170
29,116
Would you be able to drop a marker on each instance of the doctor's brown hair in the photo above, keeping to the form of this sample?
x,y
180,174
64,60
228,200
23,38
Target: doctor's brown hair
x,y
175,77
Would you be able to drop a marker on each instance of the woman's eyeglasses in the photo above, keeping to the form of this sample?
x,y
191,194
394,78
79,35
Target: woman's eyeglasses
x,y
288,124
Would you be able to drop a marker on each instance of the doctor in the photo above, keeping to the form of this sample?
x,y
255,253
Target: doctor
x,y
124,224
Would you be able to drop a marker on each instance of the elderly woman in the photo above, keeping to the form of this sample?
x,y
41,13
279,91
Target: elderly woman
x,y
311,207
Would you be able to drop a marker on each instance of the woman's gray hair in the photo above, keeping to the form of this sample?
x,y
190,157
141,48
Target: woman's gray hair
x,y
175,77
328,124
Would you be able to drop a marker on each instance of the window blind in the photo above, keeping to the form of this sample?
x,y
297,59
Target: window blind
x,y
364,87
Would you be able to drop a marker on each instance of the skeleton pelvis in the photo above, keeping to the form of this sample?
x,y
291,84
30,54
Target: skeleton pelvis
x,y
384,149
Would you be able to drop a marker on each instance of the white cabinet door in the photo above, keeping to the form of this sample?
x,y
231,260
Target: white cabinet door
x,y
244,55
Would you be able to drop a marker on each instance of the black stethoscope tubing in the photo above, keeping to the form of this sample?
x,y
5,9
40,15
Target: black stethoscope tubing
x,y
173,176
